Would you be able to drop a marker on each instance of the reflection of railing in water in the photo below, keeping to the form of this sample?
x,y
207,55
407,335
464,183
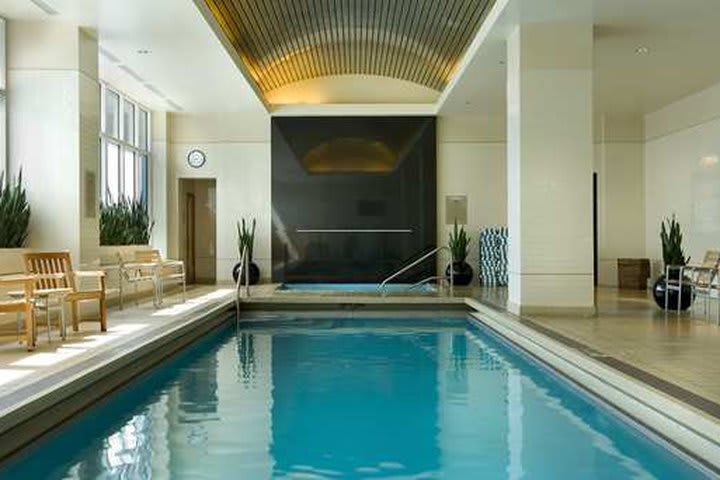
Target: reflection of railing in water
x,y
432,253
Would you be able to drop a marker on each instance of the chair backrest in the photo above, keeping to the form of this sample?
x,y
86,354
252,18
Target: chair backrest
x,y
712,261
148,256
47,264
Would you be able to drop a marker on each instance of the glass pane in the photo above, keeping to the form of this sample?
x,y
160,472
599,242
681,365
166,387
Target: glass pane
x,y
143,176
129,175
112,175
129,122
143,130
112,110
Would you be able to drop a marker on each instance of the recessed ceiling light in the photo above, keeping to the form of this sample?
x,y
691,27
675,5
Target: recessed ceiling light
x,y
642,50
144,51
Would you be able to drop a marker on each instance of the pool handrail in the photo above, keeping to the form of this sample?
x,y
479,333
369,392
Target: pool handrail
x,y
244,269
407,267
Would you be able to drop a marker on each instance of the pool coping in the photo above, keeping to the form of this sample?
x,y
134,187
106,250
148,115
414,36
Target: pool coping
x,y
35,409
653,404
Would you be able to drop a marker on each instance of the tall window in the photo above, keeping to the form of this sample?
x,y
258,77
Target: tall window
x,y
3,101
125,147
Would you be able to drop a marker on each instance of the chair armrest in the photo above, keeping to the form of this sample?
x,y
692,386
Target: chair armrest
x,y
15,280
136,265
89,273
172,263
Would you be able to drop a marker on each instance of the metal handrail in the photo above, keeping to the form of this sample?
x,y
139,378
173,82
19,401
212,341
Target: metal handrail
x,y
244,268
428,280
417,262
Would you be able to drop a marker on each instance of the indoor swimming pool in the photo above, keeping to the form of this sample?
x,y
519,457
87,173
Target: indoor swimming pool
x,y
313,397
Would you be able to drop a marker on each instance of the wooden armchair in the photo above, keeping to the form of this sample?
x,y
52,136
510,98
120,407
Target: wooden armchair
x,y
53,272
21,305
148,265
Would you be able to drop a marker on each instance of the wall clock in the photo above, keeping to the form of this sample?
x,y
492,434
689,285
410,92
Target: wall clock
x,y
196,158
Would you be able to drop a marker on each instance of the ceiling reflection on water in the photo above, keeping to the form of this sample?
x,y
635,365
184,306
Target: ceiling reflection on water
x,y
350,399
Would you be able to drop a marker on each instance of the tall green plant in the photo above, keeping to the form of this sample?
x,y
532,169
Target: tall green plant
x,y
246,237
141,225
125,222
14,213
671,237
458,243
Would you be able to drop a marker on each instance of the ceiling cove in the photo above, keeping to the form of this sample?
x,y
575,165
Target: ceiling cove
x,y
280,42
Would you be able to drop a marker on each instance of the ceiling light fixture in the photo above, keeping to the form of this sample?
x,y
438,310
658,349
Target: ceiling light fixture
x,y
144,51
641,50
44,7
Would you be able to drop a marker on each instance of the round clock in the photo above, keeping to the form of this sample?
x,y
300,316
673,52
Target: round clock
x,y
196,158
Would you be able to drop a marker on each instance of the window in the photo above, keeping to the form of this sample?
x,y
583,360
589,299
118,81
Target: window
x,y
3,100
124,148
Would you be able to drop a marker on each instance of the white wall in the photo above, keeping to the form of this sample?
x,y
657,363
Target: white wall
x,y
619,147
237,147
471,162
682,172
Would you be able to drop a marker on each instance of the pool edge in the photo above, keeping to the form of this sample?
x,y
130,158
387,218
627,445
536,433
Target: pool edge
x,y
692,432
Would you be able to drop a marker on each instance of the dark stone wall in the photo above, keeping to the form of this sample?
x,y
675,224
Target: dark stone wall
x,y
353,198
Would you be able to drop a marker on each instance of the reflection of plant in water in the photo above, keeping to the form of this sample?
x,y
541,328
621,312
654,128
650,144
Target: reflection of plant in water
x,y
246,352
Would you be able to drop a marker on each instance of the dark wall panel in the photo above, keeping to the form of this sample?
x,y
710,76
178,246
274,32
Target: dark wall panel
x,y
353,198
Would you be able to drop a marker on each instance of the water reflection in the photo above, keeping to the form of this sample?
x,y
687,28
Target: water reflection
x,y
351,399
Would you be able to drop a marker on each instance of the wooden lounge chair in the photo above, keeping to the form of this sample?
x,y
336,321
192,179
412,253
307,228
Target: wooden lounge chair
x,y
53,273
148,265
21,305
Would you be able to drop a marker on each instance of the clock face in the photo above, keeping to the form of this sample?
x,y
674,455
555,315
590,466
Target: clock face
x,y
196,158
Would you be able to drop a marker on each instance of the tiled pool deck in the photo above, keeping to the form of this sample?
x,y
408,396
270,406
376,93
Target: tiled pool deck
x,y
680,353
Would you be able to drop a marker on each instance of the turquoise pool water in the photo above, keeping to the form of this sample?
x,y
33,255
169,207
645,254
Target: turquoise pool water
x,y
335,398
357,287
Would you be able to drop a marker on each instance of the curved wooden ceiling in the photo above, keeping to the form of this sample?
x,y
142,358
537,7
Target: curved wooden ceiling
x,y
285,41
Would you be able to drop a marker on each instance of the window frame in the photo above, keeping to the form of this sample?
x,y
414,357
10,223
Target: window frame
x,y
140,190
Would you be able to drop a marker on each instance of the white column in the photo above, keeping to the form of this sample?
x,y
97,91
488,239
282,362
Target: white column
x,y
53,127
550,166
159,181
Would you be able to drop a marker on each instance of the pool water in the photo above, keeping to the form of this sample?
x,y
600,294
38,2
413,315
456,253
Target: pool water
x,y
336,398
357,287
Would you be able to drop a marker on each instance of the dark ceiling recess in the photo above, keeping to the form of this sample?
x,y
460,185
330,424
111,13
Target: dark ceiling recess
x,y
286,41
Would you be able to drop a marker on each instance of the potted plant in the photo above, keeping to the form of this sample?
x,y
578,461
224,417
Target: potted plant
x,y
246,240
671,238
458,242
125,222
14,213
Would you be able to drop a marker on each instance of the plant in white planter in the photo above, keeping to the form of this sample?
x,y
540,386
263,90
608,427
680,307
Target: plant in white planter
x,y
14,213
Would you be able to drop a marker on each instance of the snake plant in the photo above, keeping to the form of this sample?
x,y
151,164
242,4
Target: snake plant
x,y
125,222
671,237
246,237
458,244
14,213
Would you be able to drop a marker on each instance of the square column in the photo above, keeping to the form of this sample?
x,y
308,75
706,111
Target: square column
x,y
550,167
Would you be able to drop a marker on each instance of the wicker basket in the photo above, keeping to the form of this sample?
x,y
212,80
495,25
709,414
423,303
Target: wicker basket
x,y
633,273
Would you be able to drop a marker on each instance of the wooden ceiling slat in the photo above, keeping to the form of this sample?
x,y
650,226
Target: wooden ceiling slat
x,y
462,41
282,42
